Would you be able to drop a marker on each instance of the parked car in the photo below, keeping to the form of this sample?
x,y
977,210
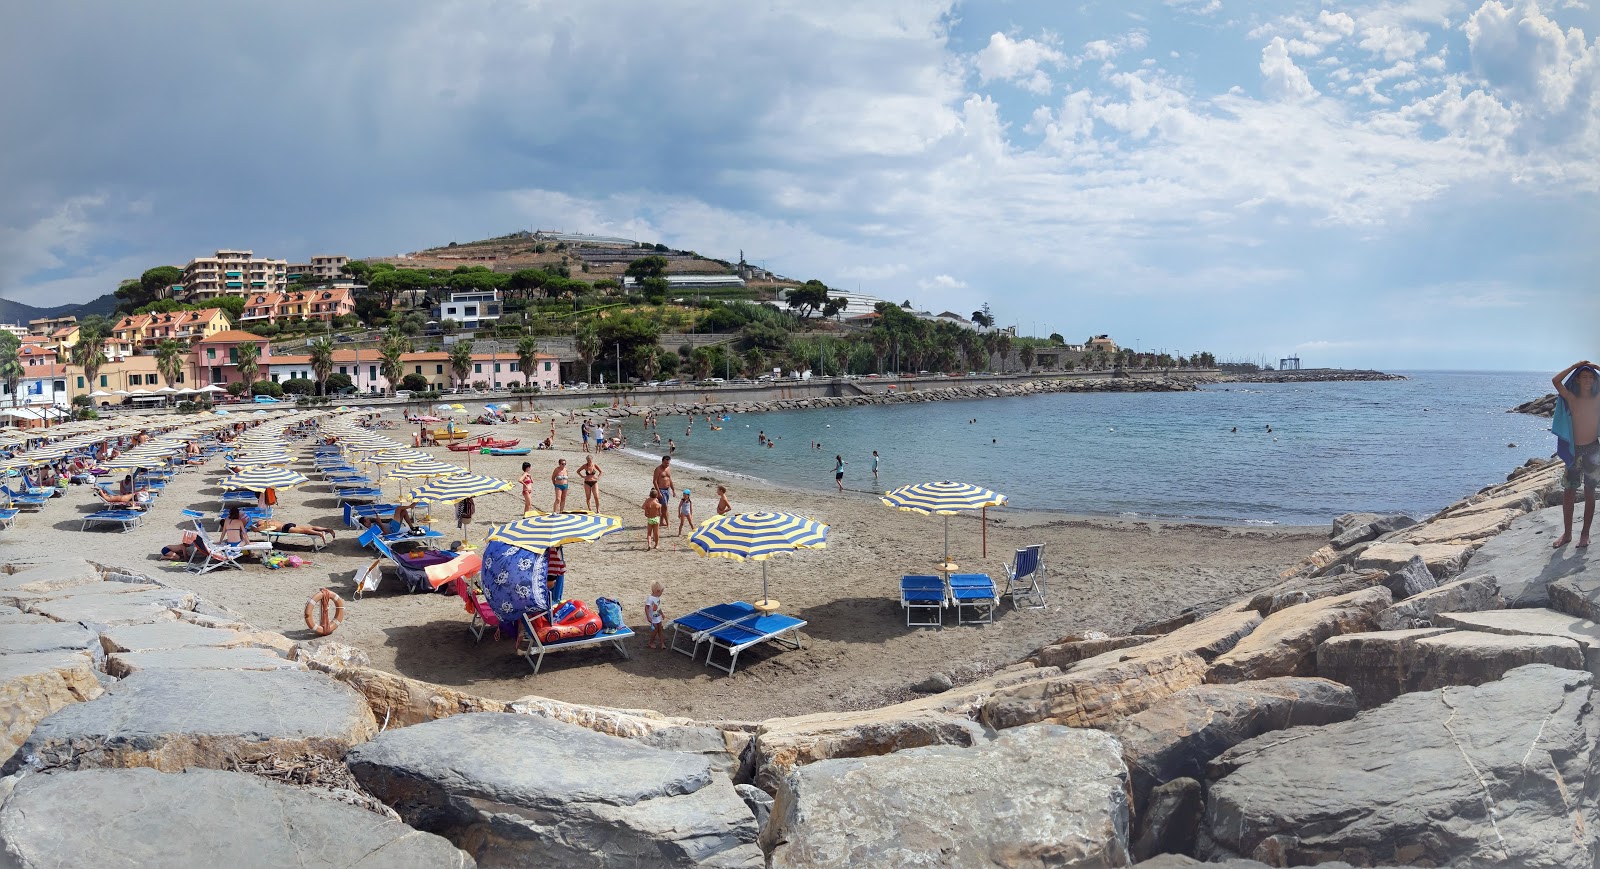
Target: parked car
x,y
266,399
344,339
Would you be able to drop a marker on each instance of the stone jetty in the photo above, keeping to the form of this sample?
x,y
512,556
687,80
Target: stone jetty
x,y
1545,406
1413,693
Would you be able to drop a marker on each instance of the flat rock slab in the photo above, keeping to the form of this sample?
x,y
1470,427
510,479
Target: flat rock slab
x,y
1375,664
1286,643
33,686
1468,594
1041,795
1445,560
1456,529
1346,792
518,790
172,719
1521,559
106,610
1472,658
124,664
1176,737
1532,622
49,577
128,818
47,637
171,635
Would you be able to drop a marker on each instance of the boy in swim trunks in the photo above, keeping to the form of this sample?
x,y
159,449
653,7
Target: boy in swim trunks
x,y
1582,394
653,511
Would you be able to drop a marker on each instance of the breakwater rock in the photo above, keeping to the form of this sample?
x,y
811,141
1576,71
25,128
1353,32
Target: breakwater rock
x,y
938,393
1384,703
1545,406
1307,375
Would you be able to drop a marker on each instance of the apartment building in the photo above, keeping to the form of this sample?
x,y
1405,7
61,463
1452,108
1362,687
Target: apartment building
x,y
233,272
13,328
364,368
148,330
472,310
326,266
46,325
323,304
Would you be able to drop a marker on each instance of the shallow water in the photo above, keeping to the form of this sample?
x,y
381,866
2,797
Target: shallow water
x,y
1411,446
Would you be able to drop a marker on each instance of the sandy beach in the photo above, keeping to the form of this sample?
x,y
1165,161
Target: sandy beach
x,y
1105,574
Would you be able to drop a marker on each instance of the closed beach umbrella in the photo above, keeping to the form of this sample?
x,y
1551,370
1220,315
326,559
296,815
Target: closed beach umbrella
x,y
261,479
942,498
546,531
448,490
756,537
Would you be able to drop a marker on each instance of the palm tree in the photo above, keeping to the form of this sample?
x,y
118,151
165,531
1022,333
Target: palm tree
x,y
10,365
321,362
89,354
394,346
169,359
460,361
648,361
528,357
587,342
247,360
701,360
1028,356
755,362
881,341
1003,344
991,344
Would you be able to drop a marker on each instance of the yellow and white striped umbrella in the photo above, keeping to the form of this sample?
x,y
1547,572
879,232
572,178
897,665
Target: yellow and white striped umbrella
x,y
757,537
448,490
261,479
943,498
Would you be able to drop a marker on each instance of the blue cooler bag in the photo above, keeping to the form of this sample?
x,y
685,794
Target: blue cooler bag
x,y
610,614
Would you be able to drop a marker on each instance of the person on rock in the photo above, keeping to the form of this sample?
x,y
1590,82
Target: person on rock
x,y
1577,426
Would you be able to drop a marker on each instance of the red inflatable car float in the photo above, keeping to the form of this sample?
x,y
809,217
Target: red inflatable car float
x,y
571,620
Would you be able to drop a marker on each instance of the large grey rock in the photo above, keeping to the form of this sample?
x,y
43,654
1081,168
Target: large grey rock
x,y
1532,622
516,790
1304,589
1411,580
124,664
1488,776
33,686
181,635
48,637
758,801
1577,595
1170,820
1070,650
1468,594
1371,530
1376,664
128,818
172,719
1521,559
1040,795
1350,521
1472,658
45,578
1286,642
103,610
1177,736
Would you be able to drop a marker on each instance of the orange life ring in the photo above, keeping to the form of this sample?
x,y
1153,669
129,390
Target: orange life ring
x,y
317,612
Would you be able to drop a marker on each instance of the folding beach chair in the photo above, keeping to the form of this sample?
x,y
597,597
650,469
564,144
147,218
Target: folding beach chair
x,y
353,514
8,517
128,519
358,496
1025,578
537,648
23,501
220,555
737,636
923,598
699,624
484,618
240,498
974,592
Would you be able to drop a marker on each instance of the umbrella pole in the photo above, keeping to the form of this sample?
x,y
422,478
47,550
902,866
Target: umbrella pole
x,y
985,523
764,595
947,538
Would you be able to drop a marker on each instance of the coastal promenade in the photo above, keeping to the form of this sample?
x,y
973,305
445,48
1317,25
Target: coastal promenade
x,y
1438,677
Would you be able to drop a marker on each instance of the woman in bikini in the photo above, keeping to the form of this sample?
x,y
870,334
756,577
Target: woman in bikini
x,y
234,528
277,527
527,488
590,472
558,478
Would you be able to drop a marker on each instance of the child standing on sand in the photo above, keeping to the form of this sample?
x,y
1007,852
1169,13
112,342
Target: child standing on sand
x,y
1579,388
652,612
838,472
653,511
723,507
685,512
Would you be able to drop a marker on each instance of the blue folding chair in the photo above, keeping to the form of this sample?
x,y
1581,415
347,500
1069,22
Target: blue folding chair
x,y
1025,578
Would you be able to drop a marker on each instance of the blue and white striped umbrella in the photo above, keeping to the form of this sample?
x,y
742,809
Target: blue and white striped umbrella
x,y
546,531
943,498
757,537
261,479
448,490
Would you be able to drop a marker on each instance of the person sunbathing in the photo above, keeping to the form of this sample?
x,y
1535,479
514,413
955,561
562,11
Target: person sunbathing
x,y
275,526
135,501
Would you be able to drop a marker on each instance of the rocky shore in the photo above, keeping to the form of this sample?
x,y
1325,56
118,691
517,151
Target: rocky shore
x,y
1413,693
1545,406
1307,375
941,393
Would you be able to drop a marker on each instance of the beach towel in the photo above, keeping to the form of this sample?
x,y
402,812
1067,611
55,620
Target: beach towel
x,y
513,581
1561,420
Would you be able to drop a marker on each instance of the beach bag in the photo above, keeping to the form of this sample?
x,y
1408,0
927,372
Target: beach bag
x,y
610,614
272,497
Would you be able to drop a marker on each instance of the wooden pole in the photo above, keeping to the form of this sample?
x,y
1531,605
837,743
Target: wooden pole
x,y
985,523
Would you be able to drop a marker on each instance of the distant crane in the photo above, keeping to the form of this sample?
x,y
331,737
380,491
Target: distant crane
x,y
1291,363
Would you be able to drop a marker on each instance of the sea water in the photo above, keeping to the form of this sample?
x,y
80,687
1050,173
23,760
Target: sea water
x,y
1295,454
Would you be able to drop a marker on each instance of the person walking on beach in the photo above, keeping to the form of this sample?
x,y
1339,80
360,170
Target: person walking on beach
x,y
838,471
527,488
653,511
558,479
466,508
874,467
1579,387
652,613
685,512
723,507
662,478
587,432
590,472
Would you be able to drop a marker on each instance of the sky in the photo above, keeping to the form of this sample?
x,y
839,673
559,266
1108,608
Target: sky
x,y
1400,184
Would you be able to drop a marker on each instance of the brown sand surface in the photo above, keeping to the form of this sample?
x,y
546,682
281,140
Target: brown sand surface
x,y
1105,574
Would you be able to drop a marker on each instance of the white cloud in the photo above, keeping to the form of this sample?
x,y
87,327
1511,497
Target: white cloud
x,y
1018,61
1196,7
1281,79
1526,56
941,282
1393,42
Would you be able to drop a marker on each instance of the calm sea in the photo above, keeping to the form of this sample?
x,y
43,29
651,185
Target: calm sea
x,y
1411,446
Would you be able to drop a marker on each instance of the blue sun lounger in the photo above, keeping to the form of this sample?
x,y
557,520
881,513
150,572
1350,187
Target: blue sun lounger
x,y
354,513
414,576
358,496
24,501
128,519
537,648
239,497
8,517
735,637
370,536
924,599
699,624
974,592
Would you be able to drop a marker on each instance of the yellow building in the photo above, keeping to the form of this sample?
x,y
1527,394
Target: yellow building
x,y
147,330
